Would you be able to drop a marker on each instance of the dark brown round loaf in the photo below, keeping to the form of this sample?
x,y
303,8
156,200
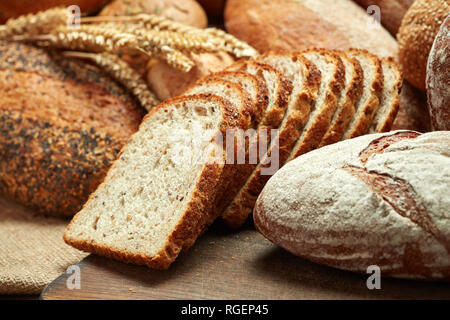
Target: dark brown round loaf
x,y
13,9
416,35
438,79
62,124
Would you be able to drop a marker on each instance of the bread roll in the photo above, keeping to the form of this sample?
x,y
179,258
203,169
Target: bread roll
x,y
391,12
168,82
378,199
185,11
416,35
13,9
301,24
438,79
62,124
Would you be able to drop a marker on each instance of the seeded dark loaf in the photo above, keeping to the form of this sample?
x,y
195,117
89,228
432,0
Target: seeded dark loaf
x,y
62,123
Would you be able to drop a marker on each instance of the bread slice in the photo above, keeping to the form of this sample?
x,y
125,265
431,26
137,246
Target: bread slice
x,y
346,101
150,206
279,89
368,102
242,103
255,88
325,104
227,90
390,98
305,78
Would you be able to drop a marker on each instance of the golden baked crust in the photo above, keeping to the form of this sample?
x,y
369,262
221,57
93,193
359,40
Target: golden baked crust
x,y
416,35
289,131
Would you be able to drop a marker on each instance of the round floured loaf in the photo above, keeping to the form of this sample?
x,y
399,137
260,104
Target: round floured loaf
x,y
379,199
438,79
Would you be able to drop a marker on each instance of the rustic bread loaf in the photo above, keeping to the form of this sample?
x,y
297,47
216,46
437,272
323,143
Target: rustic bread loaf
x,y
305,78
167,82
354,77
151,205
438,79
13,9
303,24
391,12
379,199
416,35
62,124
185,11
325,104
369,100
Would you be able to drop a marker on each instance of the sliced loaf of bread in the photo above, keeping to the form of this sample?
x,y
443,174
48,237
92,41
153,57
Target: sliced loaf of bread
x,y
325,104
305,79
390,97
241,101
368,102
152,205
255,87
279,89
346,101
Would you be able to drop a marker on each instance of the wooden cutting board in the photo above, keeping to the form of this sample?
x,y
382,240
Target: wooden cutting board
x,y
225,264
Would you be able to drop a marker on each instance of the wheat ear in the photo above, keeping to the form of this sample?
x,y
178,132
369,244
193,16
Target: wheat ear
x,y
33,24
123,73
100,39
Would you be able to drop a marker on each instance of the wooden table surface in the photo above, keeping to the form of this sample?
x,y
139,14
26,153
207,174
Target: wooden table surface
x,y
226,264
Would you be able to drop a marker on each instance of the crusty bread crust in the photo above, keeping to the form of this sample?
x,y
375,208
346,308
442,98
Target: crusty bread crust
x,y
383,122
369,213
346,105
198,211
289,131
364,115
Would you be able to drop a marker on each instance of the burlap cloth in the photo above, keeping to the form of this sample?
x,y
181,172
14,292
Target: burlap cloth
x,y
32,252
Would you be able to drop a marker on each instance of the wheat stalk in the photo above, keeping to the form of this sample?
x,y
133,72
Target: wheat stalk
x,y
33,24
123,73
219,39
153,35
